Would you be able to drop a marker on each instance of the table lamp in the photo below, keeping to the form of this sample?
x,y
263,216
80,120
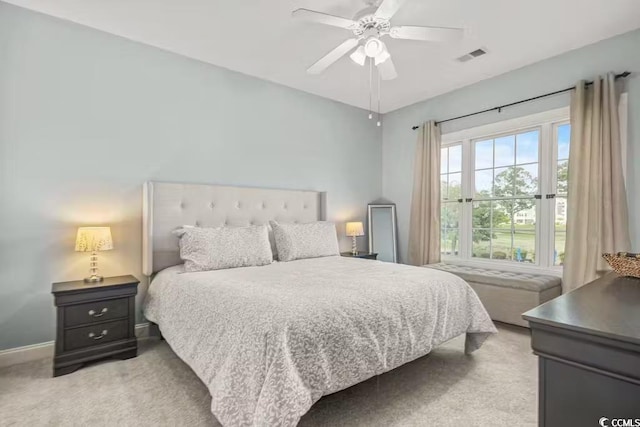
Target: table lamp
x,y
93,239
354,229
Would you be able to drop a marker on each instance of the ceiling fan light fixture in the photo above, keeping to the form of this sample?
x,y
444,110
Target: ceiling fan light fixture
x,y
358,56
383,56
373,47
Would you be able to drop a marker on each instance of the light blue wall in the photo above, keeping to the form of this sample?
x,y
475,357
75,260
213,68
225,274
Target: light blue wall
x,y
87,117
618,54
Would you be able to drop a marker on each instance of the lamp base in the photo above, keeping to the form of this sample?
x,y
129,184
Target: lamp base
x,y
93,269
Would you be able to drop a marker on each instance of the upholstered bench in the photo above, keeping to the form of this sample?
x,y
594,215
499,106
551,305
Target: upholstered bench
x,y
505,294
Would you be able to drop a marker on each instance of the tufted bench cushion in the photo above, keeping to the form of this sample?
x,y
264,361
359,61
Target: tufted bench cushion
x,y
506,294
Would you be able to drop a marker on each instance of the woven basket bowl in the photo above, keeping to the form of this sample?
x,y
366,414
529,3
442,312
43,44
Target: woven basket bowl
x,y
624,264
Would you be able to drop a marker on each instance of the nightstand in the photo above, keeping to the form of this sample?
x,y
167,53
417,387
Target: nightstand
x,y
365,255
94,321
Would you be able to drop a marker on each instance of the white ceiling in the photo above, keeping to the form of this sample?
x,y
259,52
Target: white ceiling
x,y
259,38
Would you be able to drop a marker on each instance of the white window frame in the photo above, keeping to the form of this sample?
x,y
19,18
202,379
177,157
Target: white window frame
x,y
547,123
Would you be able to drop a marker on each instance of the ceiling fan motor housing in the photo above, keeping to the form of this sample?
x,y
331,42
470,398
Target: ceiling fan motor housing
x,y
370,23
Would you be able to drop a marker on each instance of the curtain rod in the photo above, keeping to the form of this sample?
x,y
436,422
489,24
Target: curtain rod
x,y
499,109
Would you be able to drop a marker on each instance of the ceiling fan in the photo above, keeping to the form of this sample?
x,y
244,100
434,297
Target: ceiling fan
x,y
368,27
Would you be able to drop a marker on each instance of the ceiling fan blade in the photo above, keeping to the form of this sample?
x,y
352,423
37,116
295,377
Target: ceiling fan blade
x,y
438,34
387,70
323,18
388,8
332,56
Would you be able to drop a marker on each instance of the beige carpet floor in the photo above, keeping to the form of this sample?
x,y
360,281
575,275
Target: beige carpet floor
x,y
496,386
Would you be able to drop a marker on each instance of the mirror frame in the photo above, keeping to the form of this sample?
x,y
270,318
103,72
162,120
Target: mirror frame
x,y
393,226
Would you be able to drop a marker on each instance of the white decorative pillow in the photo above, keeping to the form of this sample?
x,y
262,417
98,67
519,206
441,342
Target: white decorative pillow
x,y
312,240
204,249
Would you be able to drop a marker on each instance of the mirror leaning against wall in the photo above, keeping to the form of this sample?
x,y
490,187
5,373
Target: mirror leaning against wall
x,y
382,224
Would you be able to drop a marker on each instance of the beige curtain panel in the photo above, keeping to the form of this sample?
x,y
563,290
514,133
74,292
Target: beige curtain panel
x,y
424,224
597,219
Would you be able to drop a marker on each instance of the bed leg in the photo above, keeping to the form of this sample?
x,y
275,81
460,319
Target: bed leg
x,y
154,331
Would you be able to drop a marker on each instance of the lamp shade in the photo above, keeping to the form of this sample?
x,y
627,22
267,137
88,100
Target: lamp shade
x,y
94,239
355,229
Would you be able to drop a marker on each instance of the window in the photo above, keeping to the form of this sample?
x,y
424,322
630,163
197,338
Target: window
x,y
450,192
504,208
562,140
504,191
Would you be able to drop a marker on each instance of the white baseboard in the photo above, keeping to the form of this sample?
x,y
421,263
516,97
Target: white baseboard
x,y
29,353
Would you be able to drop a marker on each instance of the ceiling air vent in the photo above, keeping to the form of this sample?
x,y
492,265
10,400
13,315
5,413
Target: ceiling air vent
x,y
471,55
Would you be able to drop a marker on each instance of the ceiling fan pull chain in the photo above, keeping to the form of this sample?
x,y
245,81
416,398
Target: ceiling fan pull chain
x,y
370,88
379,117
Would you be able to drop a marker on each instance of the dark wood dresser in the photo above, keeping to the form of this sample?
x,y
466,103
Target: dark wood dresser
x,y
94,321
588,343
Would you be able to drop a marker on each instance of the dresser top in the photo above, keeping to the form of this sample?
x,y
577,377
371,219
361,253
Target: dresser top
x,y
81,285
608,307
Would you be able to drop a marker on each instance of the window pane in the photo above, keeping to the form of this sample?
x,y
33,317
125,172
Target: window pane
x,y
455,158
455,186
560,208
450,215
564,139
500,214
481,214
484,154
558,253
444,160
481,245
560,230
527,147
444,187
501,244
526,179
504,183
450,242
524,212
563,177
561,212
505,150
524,244
449,223
484,183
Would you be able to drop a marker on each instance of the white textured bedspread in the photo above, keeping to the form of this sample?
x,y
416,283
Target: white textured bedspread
x,y
270,341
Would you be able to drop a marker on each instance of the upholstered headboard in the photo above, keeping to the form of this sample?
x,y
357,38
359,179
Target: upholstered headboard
x,y
167,206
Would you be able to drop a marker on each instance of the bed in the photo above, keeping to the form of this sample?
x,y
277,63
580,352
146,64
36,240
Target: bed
x,y
269,341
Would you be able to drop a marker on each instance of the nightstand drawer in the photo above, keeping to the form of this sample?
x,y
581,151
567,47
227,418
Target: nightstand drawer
x,y
95,334
98,311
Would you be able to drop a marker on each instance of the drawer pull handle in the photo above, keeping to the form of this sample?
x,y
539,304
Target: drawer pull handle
x,y
98,337
102,312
